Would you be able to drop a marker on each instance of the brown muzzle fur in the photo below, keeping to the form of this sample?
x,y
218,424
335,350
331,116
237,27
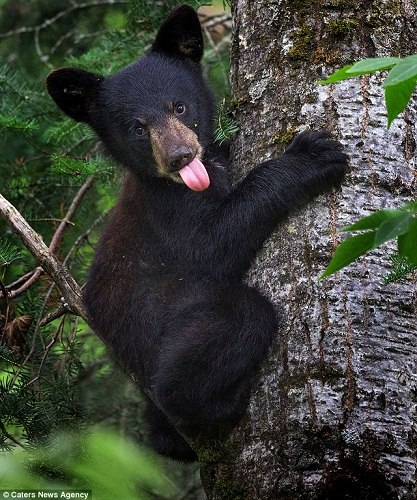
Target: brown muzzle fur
x,y
174,145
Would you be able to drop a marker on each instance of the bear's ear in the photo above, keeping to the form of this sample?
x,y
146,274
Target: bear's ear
x,y
180,35
73,90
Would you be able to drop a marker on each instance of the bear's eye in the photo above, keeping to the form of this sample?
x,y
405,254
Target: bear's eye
x,y
140,130
179,108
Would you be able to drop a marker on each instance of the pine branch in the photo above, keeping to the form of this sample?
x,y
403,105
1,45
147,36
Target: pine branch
x,y
85,235
8,253
226,126
401,269
9,436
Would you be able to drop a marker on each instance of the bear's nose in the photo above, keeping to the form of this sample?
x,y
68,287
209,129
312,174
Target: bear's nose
x,y
180,157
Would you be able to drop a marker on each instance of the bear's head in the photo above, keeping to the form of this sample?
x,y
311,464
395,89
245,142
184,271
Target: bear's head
x,y
155,116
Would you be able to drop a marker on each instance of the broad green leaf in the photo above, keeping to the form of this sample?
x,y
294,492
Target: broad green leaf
x,y
372,221
403,71
407,243
361,68
398,96
373,64
411,207
348,251
393,227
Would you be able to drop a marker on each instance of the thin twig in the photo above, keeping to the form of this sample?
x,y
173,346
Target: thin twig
x,y
52,316
27,284
54,19
35,244
6,316
47,349
85,235
20,280
34,275
35,333
12,438
71,210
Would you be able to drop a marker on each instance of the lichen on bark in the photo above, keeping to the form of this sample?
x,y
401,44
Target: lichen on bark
x,y
334,407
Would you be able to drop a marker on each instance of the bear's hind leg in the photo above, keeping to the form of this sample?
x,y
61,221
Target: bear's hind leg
x,y
214,339
163,437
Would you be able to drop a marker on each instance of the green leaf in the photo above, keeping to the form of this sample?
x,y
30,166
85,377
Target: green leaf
x,y
411,206
372,221
398,96
393,227
361,68
348,251
405,70
407,243
373,64
337,76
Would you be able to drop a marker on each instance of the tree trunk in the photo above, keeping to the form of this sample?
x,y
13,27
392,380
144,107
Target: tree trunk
x,y
333,410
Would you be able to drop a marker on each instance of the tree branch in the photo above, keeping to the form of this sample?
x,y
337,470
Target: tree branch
x,y
35,244
71,210
33,276
54,19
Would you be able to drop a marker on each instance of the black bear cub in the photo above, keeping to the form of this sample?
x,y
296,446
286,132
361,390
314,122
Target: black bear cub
x,y
165,291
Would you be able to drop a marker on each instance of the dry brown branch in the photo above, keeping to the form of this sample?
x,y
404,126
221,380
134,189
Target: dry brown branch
x,y
35,244
33,276
47,349
71,210
52,316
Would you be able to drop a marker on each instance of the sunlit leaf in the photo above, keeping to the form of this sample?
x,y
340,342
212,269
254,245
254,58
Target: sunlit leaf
x,y
338,76
393,227
373,64
402,71
398,96
361,68
407,243
348,251
372,221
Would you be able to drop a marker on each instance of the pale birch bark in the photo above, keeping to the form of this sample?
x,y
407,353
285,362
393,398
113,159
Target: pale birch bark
x,y
334,407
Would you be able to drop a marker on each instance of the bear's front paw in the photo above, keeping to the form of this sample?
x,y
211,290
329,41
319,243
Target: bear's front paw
x,y
313,142
324,153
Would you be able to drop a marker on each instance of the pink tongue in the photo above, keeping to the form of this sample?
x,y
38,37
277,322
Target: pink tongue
x,y
195,176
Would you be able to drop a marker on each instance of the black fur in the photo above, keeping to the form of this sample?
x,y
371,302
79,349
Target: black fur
x,y
165,290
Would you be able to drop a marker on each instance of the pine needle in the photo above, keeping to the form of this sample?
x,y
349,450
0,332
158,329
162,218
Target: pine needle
x,y
226,126
401,269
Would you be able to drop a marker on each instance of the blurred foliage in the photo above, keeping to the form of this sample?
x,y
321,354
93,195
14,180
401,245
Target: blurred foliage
x,y
55,374
102,462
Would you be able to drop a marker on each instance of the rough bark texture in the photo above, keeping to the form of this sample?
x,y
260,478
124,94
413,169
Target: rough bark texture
x,y
333,412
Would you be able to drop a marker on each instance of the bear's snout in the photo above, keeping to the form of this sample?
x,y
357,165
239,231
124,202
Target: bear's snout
x,y
180,157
